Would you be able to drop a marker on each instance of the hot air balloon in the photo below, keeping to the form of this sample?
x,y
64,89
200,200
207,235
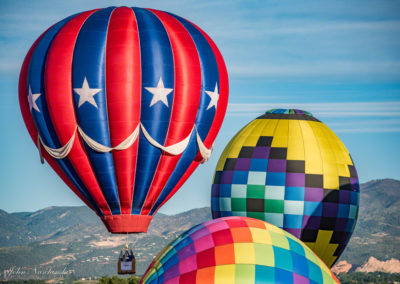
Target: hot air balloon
x,y
237,250
124,103
289,169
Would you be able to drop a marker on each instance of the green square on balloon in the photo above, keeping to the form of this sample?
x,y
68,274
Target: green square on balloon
x,y
273,206
255,191
238,204
256,215
244,273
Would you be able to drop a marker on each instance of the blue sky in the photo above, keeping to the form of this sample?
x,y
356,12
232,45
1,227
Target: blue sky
x,y
339,60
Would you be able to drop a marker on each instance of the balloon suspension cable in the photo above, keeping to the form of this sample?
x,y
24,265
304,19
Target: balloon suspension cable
x,y
40,150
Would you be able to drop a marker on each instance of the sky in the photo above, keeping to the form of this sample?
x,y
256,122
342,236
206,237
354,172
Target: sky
x,y
340,60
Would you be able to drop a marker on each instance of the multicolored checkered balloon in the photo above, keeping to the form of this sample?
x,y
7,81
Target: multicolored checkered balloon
x,y
289,169
233,250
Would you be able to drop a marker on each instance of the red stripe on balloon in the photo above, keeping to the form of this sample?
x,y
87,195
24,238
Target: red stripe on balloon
x,y
123,80
187,91
30,125
219,115
60,103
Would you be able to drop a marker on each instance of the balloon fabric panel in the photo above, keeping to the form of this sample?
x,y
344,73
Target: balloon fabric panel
x,y
293,172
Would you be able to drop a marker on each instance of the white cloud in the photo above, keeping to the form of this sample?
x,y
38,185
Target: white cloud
x,y
350,117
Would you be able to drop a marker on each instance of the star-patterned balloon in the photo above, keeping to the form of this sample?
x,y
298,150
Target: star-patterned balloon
x,y
127,103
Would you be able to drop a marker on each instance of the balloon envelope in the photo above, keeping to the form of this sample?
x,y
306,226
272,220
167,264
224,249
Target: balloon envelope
x,y
124,103
289,169
237,250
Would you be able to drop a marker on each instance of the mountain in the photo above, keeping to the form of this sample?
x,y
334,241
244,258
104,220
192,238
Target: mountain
x,y
58,241
73,239
377,232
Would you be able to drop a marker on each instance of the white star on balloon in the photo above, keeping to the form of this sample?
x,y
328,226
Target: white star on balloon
x,y
32,100
159,93
214,96
86,93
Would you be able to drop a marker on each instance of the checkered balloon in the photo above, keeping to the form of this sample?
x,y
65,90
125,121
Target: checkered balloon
x,y
289,169
233,250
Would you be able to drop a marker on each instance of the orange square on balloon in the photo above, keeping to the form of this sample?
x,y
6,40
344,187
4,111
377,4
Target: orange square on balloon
x,y
225,254
241,235
205,275
254,223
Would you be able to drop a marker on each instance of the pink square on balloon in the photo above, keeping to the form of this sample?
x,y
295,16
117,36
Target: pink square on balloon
x,y
298,279
188,264
218,226
173,281
204,243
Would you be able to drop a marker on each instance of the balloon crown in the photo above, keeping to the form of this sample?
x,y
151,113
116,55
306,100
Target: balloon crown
x,y
289,111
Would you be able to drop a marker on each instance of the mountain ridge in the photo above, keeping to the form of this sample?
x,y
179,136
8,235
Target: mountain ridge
x,y
74,238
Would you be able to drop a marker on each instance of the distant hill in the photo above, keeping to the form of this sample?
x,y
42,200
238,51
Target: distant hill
x,y
377,232
73,239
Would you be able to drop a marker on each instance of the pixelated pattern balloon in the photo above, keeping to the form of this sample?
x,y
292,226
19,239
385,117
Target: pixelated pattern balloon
x,y
237,250
289,169
125,103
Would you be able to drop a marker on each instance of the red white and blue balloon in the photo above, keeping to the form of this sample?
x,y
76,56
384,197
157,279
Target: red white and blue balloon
x,y
125,103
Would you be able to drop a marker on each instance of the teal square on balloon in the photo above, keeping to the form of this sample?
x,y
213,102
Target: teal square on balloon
x,y
283,258
265,274
314,272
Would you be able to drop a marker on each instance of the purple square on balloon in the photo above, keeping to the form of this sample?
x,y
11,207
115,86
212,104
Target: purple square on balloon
x,y
341,224
329,209
200,233
295,179
306,218
314,194
171,272
313,223
215,190
294,232
344,196
186,251
226,177
298,279
261,152
242,164
277,165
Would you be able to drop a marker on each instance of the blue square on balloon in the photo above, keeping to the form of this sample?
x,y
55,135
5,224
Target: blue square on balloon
x,y
183,243
215,203
174,259
225,213
224,190
276,178
264,274
283,258
240,177
294,193
354,198
350,224
300,264
312,208
292,221
259,165
296,247
343,211
314,272
283,276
